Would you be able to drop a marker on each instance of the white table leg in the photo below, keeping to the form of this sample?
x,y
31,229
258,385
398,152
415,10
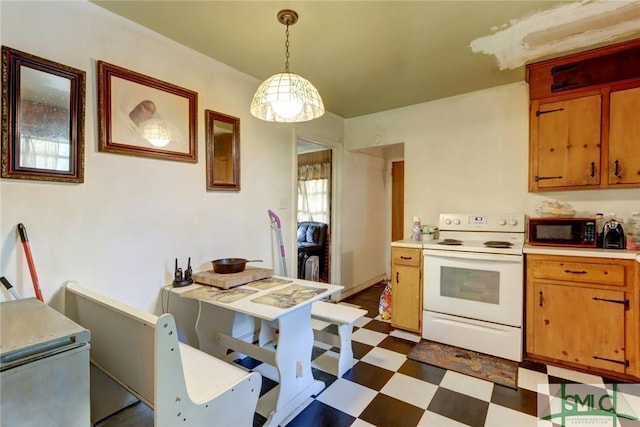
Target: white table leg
x,y
267,332
212,320
345,359
293,361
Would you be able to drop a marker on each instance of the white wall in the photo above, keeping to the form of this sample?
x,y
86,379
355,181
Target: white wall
x,y
120,231
469,153
366,227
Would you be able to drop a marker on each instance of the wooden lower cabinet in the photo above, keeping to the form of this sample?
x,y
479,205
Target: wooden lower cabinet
x,y
580,325
583,313
406,288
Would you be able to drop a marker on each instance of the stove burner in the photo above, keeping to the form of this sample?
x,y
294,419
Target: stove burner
x,y
451,242
498,244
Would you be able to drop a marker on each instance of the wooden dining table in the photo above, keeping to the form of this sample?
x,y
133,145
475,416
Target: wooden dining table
x,y
282,308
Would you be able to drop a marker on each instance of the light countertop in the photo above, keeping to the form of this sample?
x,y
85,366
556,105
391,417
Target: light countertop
x,y
408,243
548,250
583,252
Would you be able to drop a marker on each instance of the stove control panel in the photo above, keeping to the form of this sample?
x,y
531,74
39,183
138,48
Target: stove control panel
x,y
514,223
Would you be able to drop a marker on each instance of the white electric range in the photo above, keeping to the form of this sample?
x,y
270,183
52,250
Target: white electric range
x,y
474,283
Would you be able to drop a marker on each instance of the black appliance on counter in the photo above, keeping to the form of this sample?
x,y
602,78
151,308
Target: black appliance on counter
x,y
613,235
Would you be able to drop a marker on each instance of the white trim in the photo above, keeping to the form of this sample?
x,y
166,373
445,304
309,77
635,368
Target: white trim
x,y
362,286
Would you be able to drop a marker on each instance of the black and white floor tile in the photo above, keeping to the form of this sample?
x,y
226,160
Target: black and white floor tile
x,y
385,388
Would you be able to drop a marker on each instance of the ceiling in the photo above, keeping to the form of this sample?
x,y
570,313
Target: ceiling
x,y
370,56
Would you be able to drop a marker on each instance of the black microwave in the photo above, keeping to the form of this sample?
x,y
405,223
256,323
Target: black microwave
x,y
571,232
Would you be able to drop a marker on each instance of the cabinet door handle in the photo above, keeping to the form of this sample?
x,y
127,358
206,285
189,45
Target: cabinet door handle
x,y
539,113
541,299
617,171
563,86
575,272
397,277
593,169
561,68
405,257
541,178
621,362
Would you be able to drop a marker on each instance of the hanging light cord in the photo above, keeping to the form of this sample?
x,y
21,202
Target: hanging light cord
x,y
286,45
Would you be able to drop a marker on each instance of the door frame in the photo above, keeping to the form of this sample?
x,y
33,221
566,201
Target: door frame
x,y
335,226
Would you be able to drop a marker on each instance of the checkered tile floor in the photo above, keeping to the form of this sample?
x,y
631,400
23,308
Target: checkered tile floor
x,y
385,388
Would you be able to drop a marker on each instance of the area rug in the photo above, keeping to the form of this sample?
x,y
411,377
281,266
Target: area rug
x,y
490,368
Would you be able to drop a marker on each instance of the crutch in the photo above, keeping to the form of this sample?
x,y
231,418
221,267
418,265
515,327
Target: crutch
x,y
275,224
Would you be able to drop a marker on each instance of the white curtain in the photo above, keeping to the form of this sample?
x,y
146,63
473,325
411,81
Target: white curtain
x,y
314,188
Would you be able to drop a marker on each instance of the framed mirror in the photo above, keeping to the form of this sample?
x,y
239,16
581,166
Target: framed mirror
x,y
223,151
43,104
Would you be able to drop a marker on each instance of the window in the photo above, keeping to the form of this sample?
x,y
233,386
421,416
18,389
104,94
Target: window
x,y
314,187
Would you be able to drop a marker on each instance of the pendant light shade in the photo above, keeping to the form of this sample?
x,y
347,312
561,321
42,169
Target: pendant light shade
x,y
287,97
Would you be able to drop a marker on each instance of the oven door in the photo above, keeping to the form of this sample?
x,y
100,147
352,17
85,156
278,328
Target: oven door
x,y
479,286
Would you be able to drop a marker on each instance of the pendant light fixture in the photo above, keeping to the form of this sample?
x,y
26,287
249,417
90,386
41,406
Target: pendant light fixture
x,y
287,97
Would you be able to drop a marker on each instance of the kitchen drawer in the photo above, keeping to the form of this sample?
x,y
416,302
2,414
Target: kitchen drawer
x,y
605,274
406,256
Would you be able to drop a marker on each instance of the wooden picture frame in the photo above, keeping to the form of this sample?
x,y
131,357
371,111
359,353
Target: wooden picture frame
x,y
222,134
43,112
139,115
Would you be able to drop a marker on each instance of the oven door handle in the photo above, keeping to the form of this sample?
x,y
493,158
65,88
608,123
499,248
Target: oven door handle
x,y
481,256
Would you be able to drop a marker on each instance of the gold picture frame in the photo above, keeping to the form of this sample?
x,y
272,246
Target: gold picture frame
x,y
139,115
222,134
43,112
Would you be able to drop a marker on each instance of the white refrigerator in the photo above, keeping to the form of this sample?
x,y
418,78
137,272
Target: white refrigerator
x,y
44,367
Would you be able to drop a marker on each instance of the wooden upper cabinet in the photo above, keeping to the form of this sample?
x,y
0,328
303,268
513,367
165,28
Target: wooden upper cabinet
x,y
585,120
565,138
624,137
591,69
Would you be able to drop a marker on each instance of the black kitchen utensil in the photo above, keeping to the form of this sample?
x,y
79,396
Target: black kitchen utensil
x,y
231,265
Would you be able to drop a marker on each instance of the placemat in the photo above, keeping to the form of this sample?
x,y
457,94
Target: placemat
x,y
289,296
226,296
268,283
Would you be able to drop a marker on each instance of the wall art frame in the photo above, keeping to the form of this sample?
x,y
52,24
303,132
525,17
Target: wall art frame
x,y
43,118
143,116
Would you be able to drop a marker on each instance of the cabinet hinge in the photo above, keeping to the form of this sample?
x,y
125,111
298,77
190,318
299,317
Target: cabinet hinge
x,y
539,113
620,362
624,302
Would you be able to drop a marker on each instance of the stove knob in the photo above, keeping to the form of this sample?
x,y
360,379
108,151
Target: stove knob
x,y
447,221
513,222
456,221
501,222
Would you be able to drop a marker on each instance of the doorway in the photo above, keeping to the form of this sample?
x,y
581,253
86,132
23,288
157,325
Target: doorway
x,y
314,211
